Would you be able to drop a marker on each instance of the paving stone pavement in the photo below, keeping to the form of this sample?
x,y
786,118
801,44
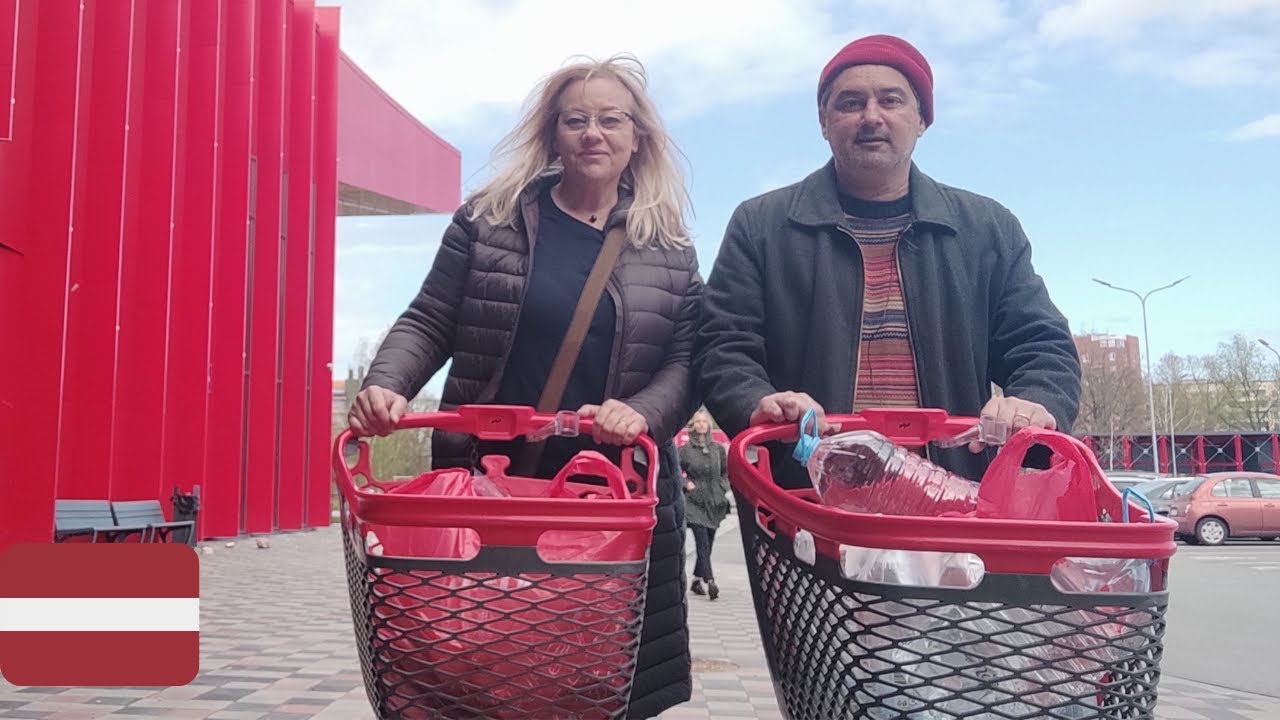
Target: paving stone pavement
x,y
277,644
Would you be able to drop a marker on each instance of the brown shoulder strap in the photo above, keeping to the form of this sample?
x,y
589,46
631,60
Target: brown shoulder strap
x,y
571,346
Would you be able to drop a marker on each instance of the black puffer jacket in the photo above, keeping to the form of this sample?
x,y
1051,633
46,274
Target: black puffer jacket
x,y
468,309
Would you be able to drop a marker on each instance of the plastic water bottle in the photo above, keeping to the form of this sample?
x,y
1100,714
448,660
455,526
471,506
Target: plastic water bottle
x,y
863,472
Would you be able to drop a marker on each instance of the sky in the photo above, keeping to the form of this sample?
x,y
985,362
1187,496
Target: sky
x,y
1137,141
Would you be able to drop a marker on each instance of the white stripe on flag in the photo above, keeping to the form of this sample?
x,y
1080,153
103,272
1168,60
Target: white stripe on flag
x,y
99,614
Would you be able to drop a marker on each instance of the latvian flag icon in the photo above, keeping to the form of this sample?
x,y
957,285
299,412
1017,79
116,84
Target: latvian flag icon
x,y
99,614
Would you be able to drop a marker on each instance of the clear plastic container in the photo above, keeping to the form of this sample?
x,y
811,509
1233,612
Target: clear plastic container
x,y
862,471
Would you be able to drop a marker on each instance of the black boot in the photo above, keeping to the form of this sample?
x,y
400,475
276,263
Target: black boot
x,y
713,592
696,587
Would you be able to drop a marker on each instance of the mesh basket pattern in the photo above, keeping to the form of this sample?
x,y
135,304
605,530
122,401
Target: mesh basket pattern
x,y
503,635
1014,647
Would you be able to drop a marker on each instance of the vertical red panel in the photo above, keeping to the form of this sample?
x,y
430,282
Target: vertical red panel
x,y
194,198
1275,454
15,156
295,375
264,273
8,66
93,291
16,491
40,208
144,286
1200,464
1236,446
221,496
320,351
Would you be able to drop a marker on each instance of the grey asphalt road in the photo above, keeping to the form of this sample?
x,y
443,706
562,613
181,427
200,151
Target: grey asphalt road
x,y
1224,616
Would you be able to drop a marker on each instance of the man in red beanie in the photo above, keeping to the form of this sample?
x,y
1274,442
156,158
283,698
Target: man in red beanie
x,y
869,284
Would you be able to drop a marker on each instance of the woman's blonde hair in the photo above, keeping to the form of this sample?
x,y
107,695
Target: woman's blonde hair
x,y
701,412
660,201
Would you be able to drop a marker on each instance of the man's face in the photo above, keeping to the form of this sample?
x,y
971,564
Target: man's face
x,y
871,118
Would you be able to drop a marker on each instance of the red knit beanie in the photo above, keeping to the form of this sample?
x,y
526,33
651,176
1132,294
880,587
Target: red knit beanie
x,y
886,50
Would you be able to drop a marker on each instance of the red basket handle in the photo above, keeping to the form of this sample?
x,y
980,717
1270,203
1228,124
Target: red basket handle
x,y
910,427
1017,546
486,422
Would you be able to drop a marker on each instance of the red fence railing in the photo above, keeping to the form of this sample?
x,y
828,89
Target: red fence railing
x,y
1190,453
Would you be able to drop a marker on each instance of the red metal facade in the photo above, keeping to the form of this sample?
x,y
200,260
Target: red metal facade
x,y
383,150
1200,453
168,193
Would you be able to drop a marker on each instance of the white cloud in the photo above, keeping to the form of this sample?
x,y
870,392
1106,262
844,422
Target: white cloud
x,y
1243,63
1211,45
946,22
1116,20
450,63
464,68
1266,127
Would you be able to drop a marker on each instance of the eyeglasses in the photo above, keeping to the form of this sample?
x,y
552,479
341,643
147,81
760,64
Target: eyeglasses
x,y
609,121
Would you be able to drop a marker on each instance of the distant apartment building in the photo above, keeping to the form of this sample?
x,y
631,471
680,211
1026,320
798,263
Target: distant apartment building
x,y
1114,352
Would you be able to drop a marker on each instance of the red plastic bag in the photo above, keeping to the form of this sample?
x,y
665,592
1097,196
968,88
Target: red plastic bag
x,y
589,545
427,542
480,635
1069,490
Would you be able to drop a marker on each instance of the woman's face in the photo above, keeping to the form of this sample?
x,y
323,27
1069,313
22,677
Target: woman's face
x,y
595,133
701,424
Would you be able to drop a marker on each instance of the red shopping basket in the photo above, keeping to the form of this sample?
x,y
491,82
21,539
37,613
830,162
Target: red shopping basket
x,y
1005,642
506,632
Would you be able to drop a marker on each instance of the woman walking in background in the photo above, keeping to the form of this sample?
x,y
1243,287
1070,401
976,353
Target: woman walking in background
x,y
703,461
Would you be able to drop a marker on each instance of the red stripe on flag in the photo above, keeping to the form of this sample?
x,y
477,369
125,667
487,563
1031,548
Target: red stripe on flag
x,y
99,570
94,659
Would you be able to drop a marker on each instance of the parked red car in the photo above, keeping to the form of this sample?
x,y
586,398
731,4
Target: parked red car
x,y
1213,507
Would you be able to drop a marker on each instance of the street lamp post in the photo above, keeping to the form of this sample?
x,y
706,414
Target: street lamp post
x,y
1275,352
1146,340
1268,346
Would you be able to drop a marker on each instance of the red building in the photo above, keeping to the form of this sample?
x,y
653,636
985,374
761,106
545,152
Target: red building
x,y
170,174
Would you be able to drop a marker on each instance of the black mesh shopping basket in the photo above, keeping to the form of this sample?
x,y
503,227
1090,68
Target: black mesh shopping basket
x,y
1005,642
508,631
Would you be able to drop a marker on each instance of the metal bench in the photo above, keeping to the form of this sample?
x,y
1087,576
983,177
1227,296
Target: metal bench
x,y
148,514
93,519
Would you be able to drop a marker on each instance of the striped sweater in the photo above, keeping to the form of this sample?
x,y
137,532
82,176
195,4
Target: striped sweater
x,y
886,367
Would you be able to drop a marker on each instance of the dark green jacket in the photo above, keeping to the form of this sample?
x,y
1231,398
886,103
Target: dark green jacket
x,y
704,463
783,311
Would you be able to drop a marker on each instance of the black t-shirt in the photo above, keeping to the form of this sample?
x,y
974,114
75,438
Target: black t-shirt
x,y
875,209
563,255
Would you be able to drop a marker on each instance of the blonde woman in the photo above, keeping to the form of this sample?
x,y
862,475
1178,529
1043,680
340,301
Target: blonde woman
x,y
589,155
706,471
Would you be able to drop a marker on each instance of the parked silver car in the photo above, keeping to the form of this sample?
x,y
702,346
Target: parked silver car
x,y
1160,492
1122,479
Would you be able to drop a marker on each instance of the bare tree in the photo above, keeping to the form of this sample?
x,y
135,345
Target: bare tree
x,y
404,453
1241,396
1179,405
1112,400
